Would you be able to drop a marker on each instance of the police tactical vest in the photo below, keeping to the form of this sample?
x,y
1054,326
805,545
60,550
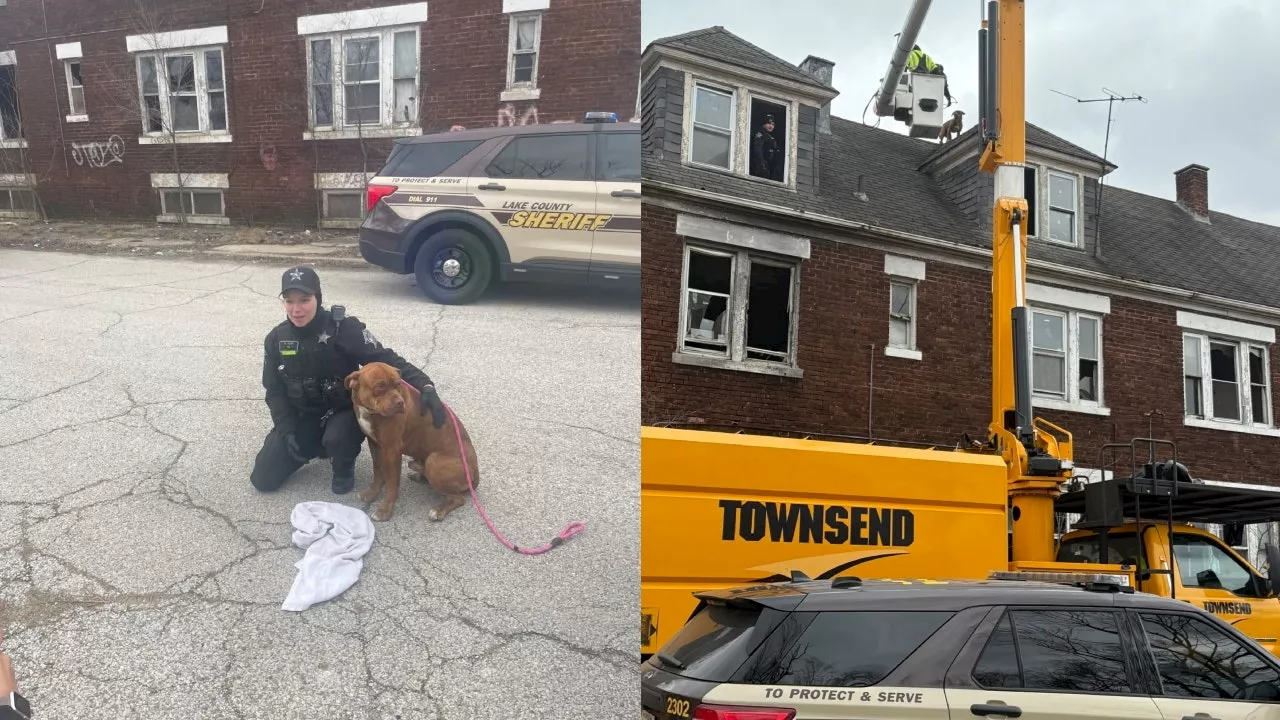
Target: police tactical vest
x,y
312,368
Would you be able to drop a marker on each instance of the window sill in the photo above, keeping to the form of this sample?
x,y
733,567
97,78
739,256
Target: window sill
x,y
18,144
195,219
77,118
906,354
1051,404
719,363
341,223
517,94
184,139
358,133
1228,426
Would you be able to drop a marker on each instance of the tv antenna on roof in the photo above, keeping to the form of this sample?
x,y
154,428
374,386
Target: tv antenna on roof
x,y
1111,99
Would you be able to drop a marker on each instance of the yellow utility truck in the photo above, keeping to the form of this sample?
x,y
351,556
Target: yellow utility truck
x,y
720,509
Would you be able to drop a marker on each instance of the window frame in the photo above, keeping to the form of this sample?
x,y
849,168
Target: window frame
x,y
165,213
325,212
1244,380
512,38
735,356
198,54
1044,224
387,77
694,125
20,139
788,156
1071,355
913,320
83,115
1147,650
974,651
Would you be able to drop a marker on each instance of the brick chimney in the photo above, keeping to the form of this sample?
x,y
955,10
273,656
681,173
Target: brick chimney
x,y
821,71
1193,189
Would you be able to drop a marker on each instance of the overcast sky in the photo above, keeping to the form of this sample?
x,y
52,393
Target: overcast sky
x,y
1202,65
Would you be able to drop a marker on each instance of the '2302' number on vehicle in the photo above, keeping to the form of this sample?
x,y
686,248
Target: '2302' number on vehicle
x,y
678,707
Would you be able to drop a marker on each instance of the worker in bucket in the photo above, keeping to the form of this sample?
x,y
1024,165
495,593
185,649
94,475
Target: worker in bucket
x,y
919,61
307,357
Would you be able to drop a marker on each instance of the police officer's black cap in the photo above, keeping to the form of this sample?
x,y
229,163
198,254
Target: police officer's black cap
x,y
768,119
300,278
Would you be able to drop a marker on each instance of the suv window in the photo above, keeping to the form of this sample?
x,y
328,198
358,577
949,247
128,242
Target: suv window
x,y
1120,549
543,157
854,649
1203,563
712,644
427,159
1071,651
1197,660
619,156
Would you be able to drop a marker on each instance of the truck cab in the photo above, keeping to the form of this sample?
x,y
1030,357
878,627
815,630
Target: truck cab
x,y
1149,527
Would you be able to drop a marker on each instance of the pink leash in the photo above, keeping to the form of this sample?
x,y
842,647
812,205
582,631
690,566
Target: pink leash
x,y
569,530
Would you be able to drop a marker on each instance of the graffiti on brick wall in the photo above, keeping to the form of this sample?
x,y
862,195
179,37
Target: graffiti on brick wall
x,y
507,116
99,154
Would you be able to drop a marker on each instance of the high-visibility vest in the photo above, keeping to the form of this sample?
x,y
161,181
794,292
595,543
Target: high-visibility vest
x,y
915,58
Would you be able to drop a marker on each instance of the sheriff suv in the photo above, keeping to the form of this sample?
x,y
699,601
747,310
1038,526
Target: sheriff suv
x,y
950,650
558,203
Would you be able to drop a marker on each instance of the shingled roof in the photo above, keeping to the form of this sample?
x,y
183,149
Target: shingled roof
x,y
1144,238
717,43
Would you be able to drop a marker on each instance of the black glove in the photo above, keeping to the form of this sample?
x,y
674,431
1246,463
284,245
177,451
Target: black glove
x,y
431,401
295,451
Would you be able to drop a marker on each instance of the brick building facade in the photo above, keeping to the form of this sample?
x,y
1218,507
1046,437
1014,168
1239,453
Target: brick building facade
x,y
853,297
272,110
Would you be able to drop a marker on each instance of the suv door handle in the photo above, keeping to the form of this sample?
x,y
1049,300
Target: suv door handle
x,y
998,709
492,186
625,193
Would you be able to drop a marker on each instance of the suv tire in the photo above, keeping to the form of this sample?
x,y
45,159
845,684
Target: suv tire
x,y
453,267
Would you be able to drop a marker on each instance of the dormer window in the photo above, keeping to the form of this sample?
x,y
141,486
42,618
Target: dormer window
x,y
1054,199
727,131
1062,208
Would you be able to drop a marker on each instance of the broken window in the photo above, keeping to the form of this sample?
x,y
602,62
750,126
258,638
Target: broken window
x,y
738,306
1089,358
768,152
75,88
769,312
902,314
1226,381
10,127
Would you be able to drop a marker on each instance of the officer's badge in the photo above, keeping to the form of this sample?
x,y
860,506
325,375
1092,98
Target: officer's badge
x,y
369,339
288,347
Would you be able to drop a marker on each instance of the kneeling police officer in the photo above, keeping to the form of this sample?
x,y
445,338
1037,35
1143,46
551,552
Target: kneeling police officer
x,y
307,357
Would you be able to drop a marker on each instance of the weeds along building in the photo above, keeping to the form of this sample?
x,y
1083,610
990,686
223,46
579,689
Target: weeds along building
x,y
851,294
275,111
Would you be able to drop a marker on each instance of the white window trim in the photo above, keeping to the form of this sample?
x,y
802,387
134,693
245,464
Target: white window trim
x,y
10,57
691,114
192,182
383,22
1044,224
717,236
523,90
74,116
738,285
1071,353
166,47
907,271
740,130
789,152
1246,423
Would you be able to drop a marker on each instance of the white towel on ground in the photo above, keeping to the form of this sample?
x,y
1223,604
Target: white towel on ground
x,y
336,538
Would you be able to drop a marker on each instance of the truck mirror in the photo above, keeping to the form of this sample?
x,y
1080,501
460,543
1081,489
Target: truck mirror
x,y
1273,567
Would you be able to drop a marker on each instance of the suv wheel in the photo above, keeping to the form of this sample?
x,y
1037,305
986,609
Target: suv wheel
x,y
453,267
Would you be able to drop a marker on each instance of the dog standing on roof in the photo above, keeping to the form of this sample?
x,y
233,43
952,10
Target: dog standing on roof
x,y
951,128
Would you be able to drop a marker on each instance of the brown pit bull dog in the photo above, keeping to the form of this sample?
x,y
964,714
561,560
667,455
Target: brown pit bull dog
x,y
388,411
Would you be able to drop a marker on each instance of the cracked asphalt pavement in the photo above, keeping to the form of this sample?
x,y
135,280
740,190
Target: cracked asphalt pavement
x,y
141,575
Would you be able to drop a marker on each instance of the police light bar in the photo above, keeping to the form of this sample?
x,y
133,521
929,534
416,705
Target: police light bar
x,y
598,117
1070,578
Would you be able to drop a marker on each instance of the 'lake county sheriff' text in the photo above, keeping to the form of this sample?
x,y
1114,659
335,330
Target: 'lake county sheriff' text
x,y
755,520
